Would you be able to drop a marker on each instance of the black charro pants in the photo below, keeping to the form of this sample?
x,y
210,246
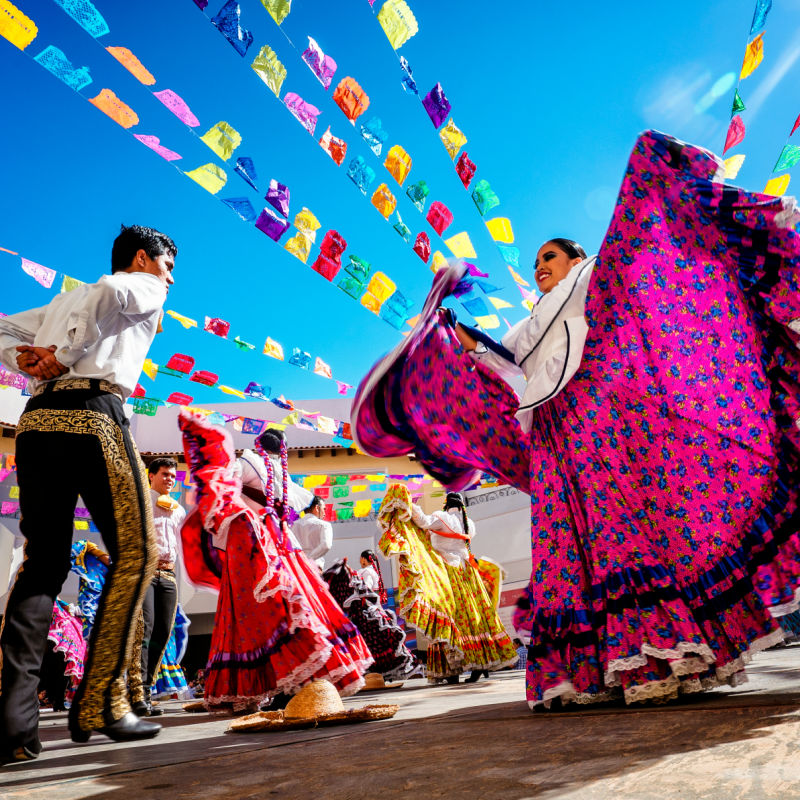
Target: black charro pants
x,y
69,443
159,608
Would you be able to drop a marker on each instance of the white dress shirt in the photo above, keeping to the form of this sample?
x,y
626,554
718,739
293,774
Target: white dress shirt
x,y
453,550
101,330
547,346
168,527
315,536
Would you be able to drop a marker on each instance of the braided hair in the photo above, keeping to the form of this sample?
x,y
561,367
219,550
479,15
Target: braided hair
x,y
373,560
273,442
456,500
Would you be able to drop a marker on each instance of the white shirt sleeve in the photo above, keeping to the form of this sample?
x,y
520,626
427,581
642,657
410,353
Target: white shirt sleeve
x,y
505,369
138,296
420,518
323,536
17,329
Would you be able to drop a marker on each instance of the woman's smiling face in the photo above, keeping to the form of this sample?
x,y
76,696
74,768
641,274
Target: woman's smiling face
x,y
552,265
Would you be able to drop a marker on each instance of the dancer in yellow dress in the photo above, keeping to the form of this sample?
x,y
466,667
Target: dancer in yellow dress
x,y
444,592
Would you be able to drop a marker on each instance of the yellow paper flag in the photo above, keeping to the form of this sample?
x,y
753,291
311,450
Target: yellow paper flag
x,y
299,246
185,321
777,186
15,26
461,245
360,487
398,22
489,321
500,229
732,166
222,139
362,508
13,492
273,349
269,69
529,304
438,261
517,277
381,286
452,138
68,284
752,56
229,390
81,525
150,369
312,481
498,303
211,177
371,303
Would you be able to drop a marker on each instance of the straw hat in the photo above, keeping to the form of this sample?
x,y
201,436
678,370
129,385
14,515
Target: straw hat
x,y
316,704
374,680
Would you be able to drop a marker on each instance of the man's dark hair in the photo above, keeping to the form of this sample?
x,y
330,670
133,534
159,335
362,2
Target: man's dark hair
x,y
315,503
137,237
163,461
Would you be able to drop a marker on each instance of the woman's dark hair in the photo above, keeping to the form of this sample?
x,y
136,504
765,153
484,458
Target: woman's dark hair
x,y
523,603
570,247
456,500
368,554
373,560
137,237
316,501
271,440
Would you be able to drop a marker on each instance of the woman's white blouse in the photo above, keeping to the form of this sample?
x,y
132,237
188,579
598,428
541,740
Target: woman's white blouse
x,y
548,345
370,577
453,551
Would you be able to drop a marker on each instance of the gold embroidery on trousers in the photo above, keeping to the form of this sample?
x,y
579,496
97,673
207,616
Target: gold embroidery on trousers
x,y
102,697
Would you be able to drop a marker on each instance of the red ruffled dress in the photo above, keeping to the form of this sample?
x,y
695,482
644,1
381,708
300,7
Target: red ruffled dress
x,y
276,628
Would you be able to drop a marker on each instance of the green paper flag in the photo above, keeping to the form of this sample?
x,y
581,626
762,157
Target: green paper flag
x,y
790,155
738,103
243,345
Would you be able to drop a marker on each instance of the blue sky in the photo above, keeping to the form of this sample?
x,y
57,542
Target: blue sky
x,y
551,97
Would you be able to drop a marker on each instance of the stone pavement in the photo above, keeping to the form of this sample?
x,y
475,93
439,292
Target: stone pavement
x,y
466,741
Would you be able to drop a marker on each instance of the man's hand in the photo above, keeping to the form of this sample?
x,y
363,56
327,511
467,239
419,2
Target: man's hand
x,y
40,362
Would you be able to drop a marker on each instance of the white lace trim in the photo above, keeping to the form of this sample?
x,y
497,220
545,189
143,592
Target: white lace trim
x,y
794,604
679,664
738,664
387,508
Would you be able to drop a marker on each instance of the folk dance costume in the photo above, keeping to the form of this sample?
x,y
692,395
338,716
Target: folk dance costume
x,y
87,564
75,425
663,474
448,599
277,628
361,594
66,634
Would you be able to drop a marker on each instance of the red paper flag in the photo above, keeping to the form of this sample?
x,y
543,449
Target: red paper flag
x,y
735,134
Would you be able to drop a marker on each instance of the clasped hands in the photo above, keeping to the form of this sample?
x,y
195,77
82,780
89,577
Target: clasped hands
x,y
40,362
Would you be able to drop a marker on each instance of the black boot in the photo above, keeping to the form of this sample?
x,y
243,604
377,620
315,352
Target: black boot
x,y
452,679
474,676
152,711
125,729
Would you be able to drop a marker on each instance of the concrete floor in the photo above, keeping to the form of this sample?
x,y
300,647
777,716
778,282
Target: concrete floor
x,y
466,741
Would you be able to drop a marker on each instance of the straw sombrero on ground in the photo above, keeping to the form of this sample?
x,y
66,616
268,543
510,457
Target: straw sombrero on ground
x,y
316,704
374,681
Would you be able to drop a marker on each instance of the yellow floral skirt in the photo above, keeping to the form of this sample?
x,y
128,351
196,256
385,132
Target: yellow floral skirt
x,y
454,607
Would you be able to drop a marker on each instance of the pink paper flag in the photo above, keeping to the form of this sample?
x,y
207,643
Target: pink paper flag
x,y
154,143
735,134
4,473
8,507
177,105
795,126
343,387
40,274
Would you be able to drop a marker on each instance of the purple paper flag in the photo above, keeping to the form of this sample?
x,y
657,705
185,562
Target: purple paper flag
x,y
278,197
323,66
437,105
270,223
473,270
305,113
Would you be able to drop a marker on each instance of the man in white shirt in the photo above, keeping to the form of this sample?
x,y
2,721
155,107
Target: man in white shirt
x,y
314,532
82,353
161,598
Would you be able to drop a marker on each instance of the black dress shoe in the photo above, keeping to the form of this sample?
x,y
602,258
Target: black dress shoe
x,y
452,679
21,753
125,729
